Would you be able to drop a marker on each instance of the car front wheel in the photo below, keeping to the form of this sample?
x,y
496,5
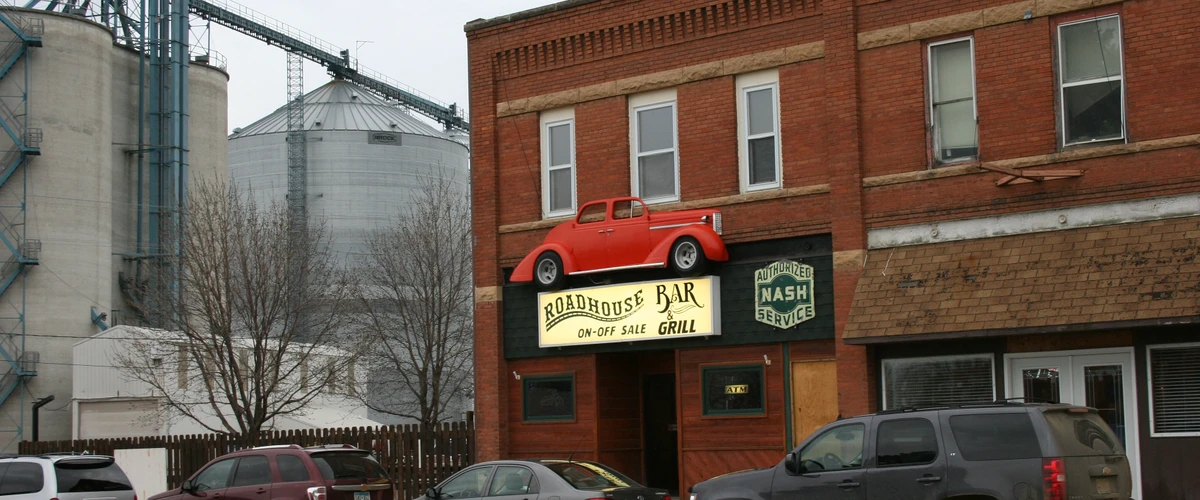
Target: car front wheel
x,y
687,257
548,272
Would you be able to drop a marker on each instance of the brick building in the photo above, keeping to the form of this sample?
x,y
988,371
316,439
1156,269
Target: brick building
x,y
997,199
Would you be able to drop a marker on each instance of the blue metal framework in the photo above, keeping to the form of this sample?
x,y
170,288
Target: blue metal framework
x,y
21,35
337,61
161,31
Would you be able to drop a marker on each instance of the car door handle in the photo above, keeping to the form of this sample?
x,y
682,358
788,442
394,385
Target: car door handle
x,y
928,479
261,490
847,484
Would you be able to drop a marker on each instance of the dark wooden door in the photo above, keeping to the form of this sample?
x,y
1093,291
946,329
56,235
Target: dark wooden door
x,y
661,432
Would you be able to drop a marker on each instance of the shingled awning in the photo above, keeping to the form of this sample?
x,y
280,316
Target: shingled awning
x,y
1083,279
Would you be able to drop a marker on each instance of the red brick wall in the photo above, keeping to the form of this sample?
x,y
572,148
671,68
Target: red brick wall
x,y
1015,90
602,149
708,160
851,115
1162,67
893,109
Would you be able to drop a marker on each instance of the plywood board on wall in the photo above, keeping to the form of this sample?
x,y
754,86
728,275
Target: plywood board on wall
x,y
814,396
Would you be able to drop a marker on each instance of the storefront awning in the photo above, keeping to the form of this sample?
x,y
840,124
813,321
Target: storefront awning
x,y
1106,277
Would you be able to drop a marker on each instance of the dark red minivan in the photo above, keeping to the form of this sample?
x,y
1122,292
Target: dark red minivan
x,y
288,472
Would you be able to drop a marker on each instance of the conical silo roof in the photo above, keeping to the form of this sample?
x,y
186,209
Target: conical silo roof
x,y
342,105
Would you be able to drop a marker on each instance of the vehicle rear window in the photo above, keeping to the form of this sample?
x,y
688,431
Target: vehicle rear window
x,y
86,476
996,436
1082,434
20,477
589,476
346,465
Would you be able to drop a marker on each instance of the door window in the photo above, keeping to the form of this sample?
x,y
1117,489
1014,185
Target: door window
x,y
215,477
1001,436
252,470
906,442
291,468
18,478
512,481
593,213
836,449
467,485
628,209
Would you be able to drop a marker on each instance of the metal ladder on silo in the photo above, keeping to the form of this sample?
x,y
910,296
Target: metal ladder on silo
x,y
18,364
338,61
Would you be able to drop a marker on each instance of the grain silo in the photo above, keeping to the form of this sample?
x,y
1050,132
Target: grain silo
x,y
366,157
69,197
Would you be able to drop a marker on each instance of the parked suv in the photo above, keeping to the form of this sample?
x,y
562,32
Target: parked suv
x,y
63,477
998,451
288,472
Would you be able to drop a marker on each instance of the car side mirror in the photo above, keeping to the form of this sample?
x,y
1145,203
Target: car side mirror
x,y
792,464
432,494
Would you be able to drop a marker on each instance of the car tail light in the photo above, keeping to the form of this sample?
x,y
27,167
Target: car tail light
x,y
317,493
667,497
1054,479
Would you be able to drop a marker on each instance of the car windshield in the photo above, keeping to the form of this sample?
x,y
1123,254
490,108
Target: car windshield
x,y
346,465
589,476
88,476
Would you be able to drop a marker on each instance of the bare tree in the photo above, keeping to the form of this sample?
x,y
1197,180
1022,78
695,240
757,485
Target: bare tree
x,y
250,304
415,303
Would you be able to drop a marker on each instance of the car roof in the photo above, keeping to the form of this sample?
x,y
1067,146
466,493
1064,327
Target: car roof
x,y
58,457
970,407
268,449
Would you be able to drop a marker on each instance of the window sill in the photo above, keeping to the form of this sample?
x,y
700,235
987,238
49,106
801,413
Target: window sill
x,y
559,215
660,201
738,416
761,187
1115,141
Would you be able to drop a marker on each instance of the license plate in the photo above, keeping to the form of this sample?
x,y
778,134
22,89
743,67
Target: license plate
x,y
1104,485
362,495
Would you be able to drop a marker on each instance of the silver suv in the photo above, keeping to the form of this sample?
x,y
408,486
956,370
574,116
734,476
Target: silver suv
x,y
63,477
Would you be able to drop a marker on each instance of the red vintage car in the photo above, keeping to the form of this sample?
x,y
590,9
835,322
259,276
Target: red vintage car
x,y
620,234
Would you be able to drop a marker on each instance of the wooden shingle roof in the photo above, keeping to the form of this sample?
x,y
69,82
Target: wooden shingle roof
x,y
1068,280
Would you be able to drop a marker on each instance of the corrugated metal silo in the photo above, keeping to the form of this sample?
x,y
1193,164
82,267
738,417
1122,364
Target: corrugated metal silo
x,y
365,159
81,92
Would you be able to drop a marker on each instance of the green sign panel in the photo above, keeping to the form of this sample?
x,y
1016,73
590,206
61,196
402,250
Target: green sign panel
x,y
783,295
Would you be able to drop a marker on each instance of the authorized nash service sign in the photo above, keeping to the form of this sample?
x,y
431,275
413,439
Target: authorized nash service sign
x,y
630,312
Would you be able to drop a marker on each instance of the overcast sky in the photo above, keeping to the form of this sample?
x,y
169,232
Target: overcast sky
x,y
418,43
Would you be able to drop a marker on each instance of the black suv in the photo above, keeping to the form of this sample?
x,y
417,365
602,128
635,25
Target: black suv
x,y
1001,451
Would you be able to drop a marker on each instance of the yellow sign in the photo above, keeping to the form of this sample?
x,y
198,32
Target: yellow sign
x,y
737,389
646,310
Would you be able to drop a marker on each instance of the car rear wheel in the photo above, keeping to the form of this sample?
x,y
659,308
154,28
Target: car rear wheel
x,y
548,272
687,257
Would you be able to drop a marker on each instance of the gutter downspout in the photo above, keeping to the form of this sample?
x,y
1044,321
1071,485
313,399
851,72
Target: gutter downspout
x,y
38,403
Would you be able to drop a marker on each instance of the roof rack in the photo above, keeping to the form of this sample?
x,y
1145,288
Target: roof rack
x,y
332,447
951,406
277,447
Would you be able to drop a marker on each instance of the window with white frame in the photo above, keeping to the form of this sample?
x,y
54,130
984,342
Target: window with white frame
x,y
758,130
938,380
655,158
558,162
1174,389
952,100
1091,80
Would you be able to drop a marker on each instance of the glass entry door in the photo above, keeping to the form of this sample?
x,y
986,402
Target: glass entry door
x,y
1099,379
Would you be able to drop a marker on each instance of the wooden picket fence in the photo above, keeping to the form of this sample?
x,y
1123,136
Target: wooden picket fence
x,y
416,457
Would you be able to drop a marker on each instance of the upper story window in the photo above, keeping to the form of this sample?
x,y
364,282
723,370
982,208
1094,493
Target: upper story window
x,y
558,162
655,157
1091,80
758,130
952,100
